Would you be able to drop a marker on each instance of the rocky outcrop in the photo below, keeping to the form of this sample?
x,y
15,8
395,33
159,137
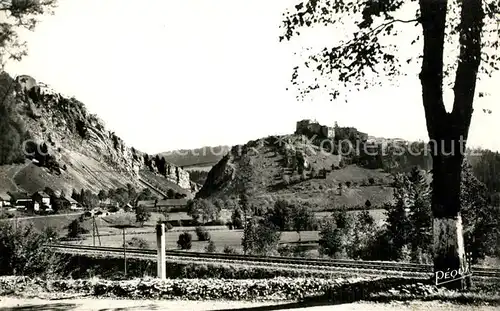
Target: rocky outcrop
x,y
220,174
78,139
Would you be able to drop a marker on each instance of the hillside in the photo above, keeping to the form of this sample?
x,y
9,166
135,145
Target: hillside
x,y
59,144
294,168
289,168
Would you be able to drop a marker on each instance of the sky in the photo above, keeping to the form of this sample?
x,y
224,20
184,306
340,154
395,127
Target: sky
x,y
168,75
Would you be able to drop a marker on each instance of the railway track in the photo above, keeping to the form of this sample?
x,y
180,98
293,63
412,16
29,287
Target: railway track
x,y
317,263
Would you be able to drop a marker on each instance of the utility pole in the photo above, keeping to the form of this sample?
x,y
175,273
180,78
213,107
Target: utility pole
x,y
93,230
160,245
97,231
124,253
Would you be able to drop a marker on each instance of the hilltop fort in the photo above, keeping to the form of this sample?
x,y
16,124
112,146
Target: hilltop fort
x,y
311,128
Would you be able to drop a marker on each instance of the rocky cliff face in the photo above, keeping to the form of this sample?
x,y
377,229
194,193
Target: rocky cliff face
x,y
219,176
88,155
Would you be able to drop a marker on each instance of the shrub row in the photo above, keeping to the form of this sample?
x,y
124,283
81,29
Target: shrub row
x,y
212,289
290,289
188,289
84,266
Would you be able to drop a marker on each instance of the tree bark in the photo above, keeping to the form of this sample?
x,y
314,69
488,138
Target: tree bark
x,y
448,131
448,241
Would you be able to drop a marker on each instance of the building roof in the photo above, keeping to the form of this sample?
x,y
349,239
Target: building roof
x,y
4,196
163,203
19,196
146,203
42,194
172,202
70,200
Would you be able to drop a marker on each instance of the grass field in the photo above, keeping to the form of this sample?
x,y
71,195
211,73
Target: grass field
x,y
222,236
221,239
59,222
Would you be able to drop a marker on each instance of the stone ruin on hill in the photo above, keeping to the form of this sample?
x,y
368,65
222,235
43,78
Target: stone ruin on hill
x,y
310,128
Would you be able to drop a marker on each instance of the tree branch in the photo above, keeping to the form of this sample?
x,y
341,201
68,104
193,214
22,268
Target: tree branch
x,y
433,20
468,63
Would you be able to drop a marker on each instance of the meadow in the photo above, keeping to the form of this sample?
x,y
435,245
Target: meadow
x,y
221,235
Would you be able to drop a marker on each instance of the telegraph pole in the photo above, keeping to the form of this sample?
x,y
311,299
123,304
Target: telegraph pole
x,y
160,245
124,253
97,231
93,230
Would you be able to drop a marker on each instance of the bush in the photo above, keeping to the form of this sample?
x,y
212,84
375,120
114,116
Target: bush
x,y
189,222
229,250
142,215
184,241
5,215
211,248
76,229
236,219
202,234
285,250
23,251
136,242
371,180
217,222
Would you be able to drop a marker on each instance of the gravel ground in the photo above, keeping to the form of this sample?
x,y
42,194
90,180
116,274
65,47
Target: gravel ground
x,y
7,303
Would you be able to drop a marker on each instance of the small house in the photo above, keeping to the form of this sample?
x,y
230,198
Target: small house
x,y
4,200
71,203
172,203
20,200
41,200
146,203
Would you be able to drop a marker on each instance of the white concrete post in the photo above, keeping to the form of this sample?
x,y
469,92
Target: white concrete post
x,y
160,246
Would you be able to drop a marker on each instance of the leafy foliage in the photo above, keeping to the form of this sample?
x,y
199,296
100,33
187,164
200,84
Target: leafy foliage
x,y
236,219
184,241
229,250
23,251
260,237
202,234
136,242
76,229
12,128
302,219
481,219
366,51
19,14
211,248
142,215
281,215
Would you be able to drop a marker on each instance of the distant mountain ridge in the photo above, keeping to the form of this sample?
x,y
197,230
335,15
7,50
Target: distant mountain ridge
x,y
70,148
199,157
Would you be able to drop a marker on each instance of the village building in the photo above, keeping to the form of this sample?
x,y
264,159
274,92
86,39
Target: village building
x,y
71,203
41,201
310,128
163,204
4,200
20,200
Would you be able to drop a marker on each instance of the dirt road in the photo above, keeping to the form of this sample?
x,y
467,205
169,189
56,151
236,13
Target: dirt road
x,y
136,305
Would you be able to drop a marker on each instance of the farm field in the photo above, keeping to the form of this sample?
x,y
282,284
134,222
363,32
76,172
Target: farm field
x,y
221,235
221,238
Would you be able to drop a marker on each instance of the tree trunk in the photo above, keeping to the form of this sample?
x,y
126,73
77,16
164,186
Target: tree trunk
x,y
448,243
448,131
